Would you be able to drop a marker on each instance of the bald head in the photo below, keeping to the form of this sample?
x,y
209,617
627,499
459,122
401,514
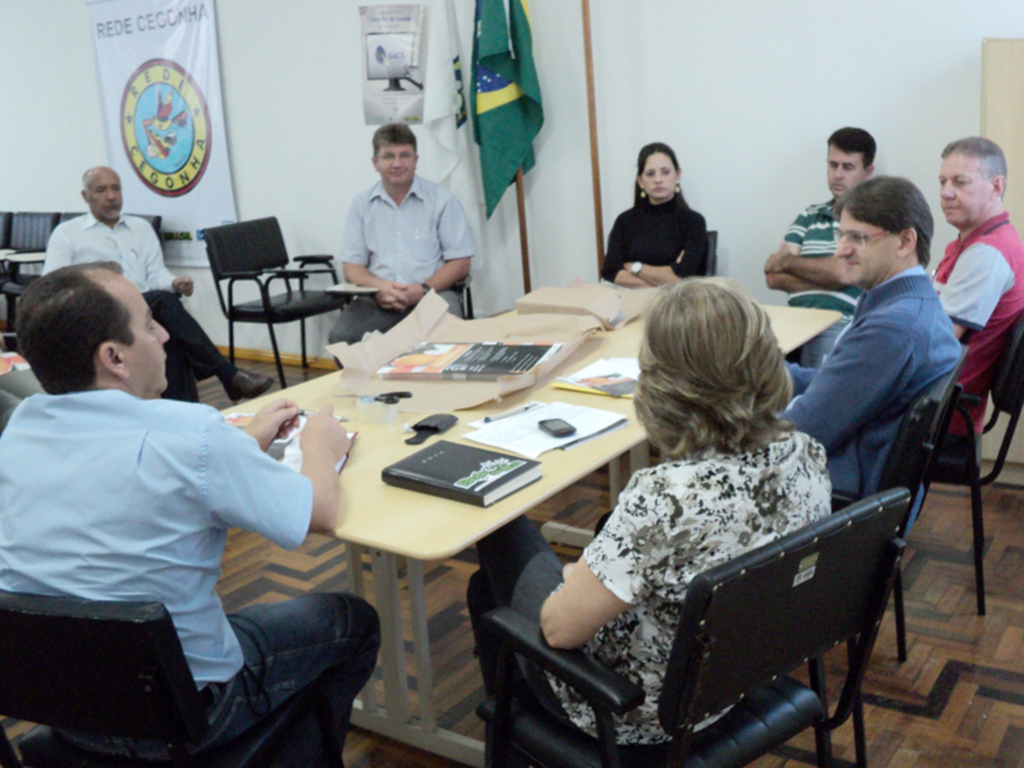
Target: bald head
x,y
101,190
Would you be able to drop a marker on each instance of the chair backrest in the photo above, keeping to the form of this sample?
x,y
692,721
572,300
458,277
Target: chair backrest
x,y
31,231
245,247
920,431
113,668
1008,382
711,261
5,228
764,614
69,215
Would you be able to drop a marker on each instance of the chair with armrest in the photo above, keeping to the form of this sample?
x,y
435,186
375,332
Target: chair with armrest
x,y
711,261
465,296
117,668
921,431
959,461
254,251
744,626
30,233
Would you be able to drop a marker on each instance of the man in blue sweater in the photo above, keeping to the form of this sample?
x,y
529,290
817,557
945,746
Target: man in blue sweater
x,y
899,342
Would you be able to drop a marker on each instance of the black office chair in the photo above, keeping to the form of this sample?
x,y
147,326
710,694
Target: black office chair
x,y
117,668
711,261
465,296
911,456
30,232
959,461
5,238
744,626
254,251
5,228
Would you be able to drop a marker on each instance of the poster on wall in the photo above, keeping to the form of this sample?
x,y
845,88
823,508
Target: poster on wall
x,y
393,63
159,75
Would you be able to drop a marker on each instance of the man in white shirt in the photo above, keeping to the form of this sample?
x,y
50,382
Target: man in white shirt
x,y
104,234
404,236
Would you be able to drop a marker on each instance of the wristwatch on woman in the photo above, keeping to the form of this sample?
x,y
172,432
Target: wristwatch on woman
x,y
637,266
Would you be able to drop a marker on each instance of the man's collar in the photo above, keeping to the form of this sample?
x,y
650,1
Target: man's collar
x,y
917,269
983,229
416,188
90,221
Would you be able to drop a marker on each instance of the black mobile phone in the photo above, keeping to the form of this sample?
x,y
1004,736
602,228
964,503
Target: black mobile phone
x,y
557,427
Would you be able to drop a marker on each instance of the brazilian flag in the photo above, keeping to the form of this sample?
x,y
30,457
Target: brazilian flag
x,y
505,97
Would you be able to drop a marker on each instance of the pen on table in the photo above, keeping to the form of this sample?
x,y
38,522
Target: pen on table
x,y
513,412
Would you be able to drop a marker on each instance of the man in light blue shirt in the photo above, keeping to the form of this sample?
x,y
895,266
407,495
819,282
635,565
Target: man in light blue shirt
x,y
404,236
109,493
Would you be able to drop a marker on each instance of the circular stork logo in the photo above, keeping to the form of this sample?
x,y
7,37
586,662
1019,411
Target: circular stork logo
x,y
165,126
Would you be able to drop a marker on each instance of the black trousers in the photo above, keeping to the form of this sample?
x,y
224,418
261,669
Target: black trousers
x,y
191,356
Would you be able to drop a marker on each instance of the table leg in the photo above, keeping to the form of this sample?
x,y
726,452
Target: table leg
x,y
357,586
394,720
421,644
392,644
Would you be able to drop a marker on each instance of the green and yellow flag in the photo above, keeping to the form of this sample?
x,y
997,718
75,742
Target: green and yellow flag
x,y
505,97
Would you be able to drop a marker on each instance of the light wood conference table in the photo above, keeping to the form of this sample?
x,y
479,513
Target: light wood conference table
x,y
387,522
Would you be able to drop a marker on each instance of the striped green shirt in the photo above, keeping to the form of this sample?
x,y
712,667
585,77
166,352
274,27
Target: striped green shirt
x,y
814,232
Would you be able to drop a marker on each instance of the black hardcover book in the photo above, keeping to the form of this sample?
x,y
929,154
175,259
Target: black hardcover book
x,y
460,472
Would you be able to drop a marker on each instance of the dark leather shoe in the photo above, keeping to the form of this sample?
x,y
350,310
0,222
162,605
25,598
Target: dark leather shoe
x,y
247,384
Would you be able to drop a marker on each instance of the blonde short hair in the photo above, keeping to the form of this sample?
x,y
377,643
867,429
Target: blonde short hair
x,y
712,375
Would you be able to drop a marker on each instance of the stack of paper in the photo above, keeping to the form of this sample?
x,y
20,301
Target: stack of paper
x,y
520,433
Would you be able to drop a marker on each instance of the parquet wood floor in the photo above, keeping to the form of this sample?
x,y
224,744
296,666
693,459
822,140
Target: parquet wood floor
x,y
957,701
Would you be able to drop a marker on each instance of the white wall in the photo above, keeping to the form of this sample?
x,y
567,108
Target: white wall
x,y
745,92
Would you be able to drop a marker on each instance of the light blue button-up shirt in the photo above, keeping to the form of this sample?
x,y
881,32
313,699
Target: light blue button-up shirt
x,y
109,497
406,243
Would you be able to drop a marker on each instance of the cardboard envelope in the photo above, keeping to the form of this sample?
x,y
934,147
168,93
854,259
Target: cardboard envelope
x,y
613,308
430,321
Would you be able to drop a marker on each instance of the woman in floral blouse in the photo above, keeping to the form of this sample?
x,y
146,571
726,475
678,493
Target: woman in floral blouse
x,y
733,477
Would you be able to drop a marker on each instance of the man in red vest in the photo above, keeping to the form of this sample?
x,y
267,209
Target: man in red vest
x,y
980,280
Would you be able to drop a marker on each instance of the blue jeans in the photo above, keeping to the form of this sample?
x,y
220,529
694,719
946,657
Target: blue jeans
x,y
286,646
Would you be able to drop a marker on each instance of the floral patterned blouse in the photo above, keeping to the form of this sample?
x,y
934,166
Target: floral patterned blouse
x,y
672,522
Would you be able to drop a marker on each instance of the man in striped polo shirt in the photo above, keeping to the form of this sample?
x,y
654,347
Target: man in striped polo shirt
x,y
806,266
980,280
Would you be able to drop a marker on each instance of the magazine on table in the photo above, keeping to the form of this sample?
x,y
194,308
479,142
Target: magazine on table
x,y
616,377
482,361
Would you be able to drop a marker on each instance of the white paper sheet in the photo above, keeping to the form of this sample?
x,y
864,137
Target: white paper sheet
x,y
520,434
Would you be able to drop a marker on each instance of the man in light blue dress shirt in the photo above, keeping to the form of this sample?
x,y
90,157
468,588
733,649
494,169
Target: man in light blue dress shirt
x,y
404,236
109,493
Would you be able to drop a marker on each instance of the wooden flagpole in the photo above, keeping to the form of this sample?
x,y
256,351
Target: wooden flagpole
x,y
595,165
523,244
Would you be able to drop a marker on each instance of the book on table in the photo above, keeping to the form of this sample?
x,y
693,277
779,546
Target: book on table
x,y
616,377
462,473
481,361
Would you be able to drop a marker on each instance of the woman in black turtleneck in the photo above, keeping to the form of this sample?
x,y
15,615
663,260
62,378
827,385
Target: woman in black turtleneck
x,y
660,233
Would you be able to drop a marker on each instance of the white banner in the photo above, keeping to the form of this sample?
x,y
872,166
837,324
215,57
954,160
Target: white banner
x,y
391,50
159,76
